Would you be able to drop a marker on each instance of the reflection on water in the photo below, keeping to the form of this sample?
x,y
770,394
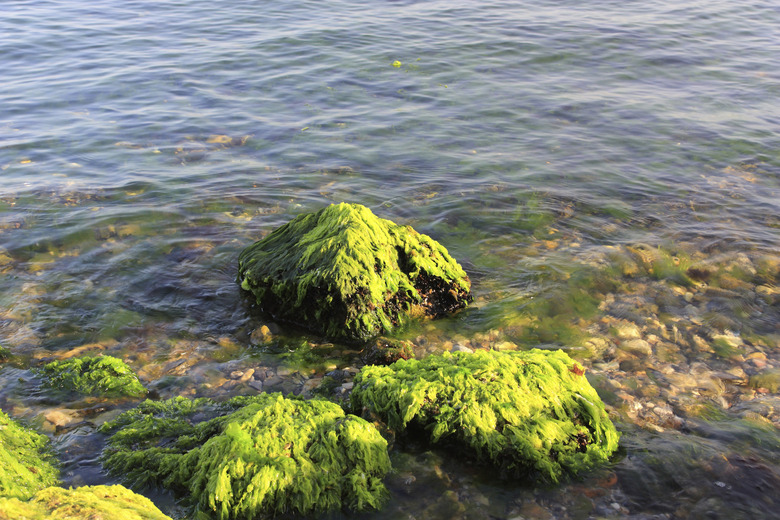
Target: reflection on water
x,y
608,178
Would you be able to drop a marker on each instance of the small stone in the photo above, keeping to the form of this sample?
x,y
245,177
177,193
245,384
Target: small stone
x,y
272,381
257,385
248,374
236,374
61,417
260,335
758,362
728,339
626,330
458,347
637,346
310,384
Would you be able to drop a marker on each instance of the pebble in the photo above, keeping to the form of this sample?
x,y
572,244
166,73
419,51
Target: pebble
x,y
637,346
626,330
461,348
248,374
284,371
272,381
61,417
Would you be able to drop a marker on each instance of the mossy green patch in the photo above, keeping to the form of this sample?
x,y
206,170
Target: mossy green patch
x,y
259,455
27,465
663,264
384,351
531,413
768,379
103,376
89,502
350,275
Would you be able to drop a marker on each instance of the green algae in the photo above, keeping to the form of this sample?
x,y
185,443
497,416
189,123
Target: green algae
x,y
27,465
104,376
384,351
348,274
88,502
767,379
258,455
532,414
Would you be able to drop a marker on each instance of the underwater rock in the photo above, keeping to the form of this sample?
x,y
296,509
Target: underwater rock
x,y
533,413
259,455
88,502
348,274
384,351
103,376
26,466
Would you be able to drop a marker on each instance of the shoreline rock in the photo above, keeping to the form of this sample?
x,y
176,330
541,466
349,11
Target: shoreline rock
x,y
348,274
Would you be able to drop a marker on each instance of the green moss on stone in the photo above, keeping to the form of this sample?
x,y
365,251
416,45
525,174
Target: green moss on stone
x,y
530,413
27,465
89,502
269,455
348,274
768,379
384,351
104,376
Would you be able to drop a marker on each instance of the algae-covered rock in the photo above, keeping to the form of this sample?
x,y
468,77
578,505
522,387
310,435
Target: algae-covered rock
x,y
104,375
88,502
25,462
530,413
348,274
259,455
384,351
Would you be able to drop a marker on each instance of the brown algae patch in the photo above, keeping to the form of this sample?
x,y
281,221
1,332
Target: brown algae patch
x,y
350,275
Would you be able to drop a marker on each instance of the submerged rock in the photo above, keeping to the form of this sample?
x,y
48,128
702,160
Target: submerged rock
x,y
530,413
27,465
259,455
104,376
88,502
384,351
348,274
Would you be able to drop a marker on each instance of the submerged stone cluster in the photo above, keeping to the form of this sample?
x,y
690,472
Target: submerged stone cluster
x,y
529,413
350,275
260,455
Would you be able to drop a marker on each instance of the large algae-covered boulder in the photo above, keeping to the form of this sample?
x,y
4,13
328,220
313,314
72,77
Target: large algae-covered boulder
x,y
103,376
259,455
88,502
26,465
348,274
533,414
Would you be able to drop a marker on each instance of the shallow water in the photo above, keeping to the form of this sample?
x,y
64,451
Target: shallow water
x,y
578,161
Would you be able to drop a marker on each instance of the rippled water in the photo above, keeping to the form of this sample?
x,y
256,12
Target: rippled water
x,y
143,144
